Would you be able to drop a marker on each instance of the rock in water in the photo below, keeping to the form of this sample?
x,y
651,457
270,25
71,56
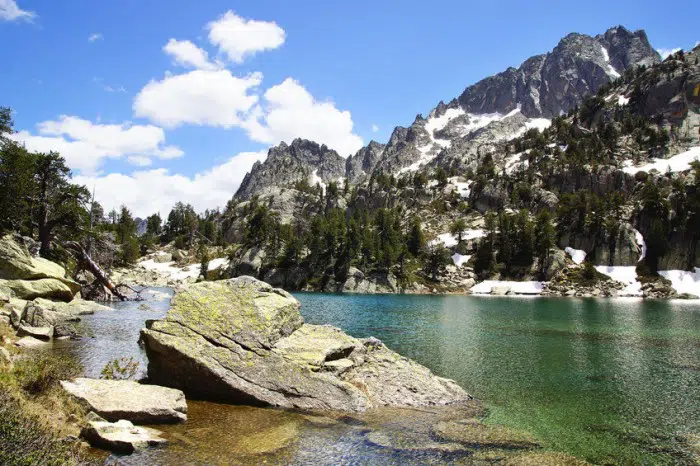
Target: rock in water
x,y
242,341
128,400
121,436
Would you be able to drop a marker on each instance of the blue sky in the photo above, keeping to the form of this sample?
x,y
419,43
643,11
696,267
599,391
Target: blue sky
x,y
148,125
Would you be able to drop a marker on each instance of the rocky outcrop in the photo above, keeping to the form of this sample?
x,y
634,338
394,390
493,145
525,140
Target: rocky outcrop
x,y
32,277
242,341
551,84
125,399
362,164
287,164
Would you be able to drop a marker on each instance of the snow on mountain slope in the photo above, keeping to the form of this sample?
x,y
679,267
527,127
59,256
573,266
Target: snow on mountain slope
x,y
623,274
677,163
683,281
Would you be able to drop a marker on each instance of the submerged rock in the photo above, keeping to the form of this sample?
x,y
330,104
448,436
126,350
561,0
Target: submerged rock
x,y
121,436
242,341
474,432
125,399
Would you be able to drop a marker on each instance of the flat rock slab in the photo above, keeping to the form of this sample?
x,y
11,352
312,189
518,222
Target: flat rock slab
x,y
121,436
128,400
31,342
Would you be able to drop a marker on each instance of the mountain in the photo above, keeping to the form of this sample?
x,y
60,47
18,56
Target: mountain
x,y
287,164
494,110
601,200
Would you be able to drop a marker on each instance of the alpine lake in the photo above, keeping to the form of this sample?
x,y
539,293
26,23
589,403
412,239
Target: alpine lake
x,y
609,381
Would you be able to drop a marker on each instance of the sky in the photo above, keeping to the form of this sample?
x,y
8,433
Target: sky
x,y
154,102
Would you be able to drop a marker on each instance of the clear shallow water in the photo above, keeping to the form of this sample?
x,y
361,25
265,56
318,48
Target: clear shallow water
x,y
608,381
604,380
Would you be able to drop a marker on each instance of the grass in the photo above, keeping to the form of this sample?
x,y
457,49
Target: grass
x,y
38,421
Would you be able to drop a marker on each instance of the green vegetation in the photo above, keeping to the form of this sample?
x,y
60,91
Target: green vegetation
x,y
34,410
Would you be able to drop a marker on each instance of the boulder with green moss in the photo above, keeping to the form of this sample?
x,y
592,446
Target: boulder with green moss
x,y
18,266
242,341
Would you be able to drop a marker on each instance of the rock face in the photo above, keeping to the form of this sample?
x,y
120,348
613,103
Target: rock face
x,y
547,85
115,400
287,164
242,341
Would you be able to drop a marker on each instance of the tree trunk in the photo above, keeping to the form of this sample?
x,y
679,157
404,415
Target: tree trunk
x,y
86,262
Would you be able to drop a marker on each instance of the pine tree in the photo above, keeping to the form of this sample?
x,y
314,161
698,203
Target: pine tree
x,y
457,228
545,237
416,238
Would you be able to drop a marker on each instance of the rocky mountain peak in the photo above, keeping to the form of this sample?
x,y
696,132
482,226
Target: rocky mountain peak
x,y
287,164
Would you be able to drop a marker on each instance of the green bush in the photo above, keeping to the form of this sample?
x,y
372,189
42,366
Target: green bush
x,y
120,369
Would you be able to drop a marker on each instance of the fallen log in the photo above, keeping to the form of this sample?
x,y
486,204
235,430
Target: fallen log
x,y
86,262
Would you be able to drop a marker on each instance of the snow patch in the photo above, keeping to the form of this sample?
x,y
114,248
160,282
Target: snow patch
x,y
611,70
449,240
459,260
315,179
462,187
677,163
683,281
170,270
622,100
577,255
641,243
529,287
624,274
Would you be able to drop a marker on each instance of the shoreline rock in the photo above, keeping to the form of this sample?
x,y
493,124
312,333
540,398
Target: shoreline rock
x,y
121,436
242,341
117,400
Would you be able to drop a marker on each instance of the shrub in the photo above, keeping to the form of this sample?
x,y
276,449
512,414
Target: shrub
x,y
120,369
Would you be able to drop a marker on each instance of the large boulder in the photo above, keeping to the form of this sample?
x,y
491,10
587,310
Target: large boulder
x,y
125,399
49,288
16,263
242,341
251,261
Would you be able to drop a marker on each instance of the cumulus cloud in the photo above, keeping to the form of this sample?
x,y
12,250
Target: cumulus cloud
x,y
94,37
290,111
188,55
200,97
148,191
239,38
665,53
85,144
10,11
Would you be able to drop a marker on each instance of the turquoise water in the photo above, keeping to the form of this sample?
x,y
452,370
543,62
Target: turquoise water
x,y
611,381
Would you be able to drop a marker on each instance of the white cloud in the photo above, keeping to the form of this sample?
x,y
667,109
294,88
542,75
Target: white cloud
x,y
666,52
291,112
239,38
188,55
85,144
148,191
94,37
200,97
139,160
9,11
109,88
375,128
